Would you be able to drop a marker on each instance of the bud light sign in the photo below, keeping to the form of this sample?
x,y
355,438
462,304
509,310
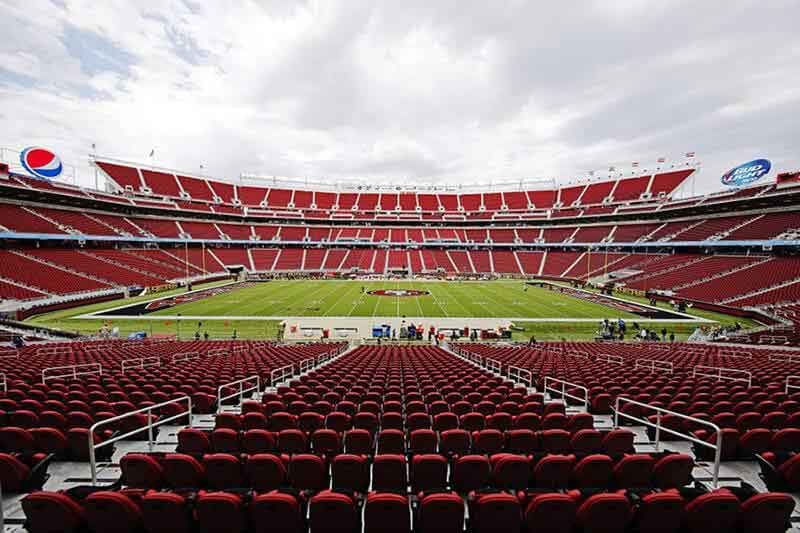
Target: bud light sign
x,y
747,173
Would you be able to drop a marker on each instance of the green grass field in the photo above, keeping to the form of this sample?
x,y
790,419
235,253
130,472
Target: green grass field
x,y
501,299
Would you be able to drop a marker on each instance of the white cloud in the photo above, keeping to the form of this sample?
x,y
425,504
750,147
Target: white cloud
x,y
453,91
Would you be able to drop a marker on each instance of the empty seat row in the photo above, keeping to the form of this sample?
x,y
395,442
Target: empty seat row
x,y
394,472
309,421
449,442
672,511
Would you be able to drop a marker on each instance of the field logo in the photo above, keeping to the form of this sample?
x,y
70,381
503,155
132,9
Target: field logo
x,y
41,162
747,173
398,292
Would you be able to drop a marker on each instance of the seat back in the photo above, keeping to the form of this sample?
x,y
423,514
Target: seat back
x,y
386,513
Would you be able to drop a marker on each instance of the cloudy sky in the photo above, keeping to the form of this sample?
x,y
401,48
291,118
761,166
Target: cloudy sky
x,y
450,91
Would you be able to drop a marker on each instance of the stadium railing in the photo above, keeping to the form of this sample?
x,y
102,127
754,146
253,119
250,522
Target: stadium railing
x,y
731,353
520,375
792,382
149,428
719,373
493,365
4,381
73,371
659,411
563,390
608,358
9,353
279,375
185,356
241,392
140,362
307,364
785,357
653,365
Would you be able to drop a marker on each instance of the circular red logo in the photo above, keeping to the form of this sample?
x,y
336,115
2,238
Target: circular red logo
x,y
398,292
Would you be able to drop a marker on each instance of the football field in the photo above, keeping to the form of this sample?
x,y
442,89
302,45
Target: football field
x,y
330,298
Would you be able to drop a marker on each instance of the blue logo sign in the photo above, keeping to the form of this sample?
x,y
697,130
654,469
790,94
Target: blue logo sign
x,y
41,162
747,173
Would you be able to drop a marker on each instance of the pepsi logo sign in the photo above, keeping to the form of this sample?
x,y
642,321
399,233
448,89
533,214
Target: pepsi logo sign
x,y
41,162
746,173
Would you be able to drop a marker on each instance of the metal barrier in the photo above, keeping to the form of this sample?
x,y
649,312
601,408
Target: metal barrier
x,y
52,350
74,371
563,390
281,374
520,375
216,352
657,425
4,383
732,353
8,353
475,358
493,365
582,355
790,385
653,365
236,348
240,393
773,339
140,362
185,356
307,364
324,358
608,358
719,372
149,428
788,357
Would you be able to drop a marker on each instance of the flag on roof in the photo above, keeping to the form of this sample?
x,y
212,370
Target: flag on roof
x,y
689,154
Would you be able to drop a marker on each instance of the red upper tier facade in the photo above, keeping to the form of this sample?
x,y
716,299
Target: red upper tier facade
x,y
196,193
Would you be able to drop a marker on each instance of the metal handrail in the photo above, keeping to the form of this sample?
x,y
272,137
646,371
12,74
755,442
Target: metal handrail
x,y
789,384
307,364
609,358
324,358
653,365
582,355
140,362
241,392
520,375
787,357
731,353
51,350
719,372
9,353
4,381
773,339
280,374
216,351
563,390
493,365
185,356
657,425
149,428
74,374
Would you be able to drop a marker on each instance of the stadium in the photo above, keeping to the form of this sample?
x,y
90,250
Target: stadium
x,y
612,351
